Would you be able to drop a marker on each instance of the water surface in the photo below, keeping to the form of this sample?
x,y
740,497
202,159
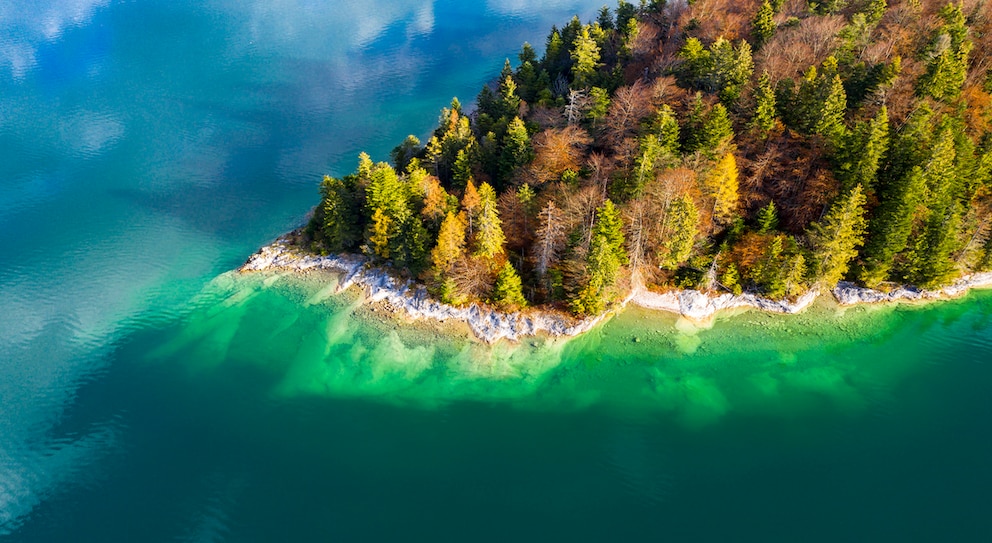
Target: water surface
x,y
146,395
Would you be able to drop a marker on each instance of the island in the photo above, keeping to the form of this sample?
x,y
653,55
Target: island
x,y
689,158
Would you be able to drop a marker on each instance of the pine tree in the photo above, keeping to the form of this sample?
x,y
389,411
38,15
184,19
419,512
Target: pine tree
x,y
764,107
489,239
517,150
767,218
682,225
947,69
718,131
837,237
830,122
863,152
450,242
585,56
763,25
721,185
339,216
508,291
610,225
599,104
731,279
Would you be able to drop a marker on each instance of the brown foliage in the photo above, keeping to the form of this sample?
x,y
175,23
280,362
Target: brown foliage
x,y
556,150
629,106
472,277
790,170
517,225
794,49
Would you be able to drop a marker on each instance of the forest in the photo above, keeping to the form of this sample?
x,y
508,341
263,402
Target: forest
x,y
770,146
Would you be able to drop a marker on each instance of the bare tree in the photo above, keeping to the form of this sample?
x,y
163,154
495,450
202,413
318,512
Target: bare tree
x,y
550,237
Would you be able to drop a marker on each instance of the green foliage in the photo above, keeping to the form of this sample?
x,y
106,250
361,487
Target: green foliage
x,y
609,224
721,69
403,153
682,225
862,152
337,216
767,218
516,150
489,238
508,291
599,104
763,25
731,279
764,105
947,67
836,238
707,132
585,56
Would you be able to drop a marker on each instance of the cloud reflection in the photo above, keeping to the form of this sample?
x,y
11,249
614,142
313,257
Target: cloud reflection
x,y
27,25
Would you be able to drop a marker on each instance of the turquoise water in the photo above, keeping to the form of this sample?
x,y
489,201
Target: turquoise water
x,y
146,395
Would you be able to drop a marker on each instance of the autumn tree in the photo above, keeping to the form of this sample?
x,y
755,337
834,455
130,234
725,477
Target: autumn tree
x,y
450,242
721,186
489,238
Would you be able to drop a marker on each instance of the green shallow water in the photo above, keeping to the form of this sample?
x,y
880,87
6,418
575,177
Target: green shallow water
x,y
274,410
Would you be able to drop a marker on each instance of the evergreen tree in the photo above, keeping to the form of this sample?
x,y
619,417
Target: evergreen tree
x,y
763,25
599,104
767,218
837,237
516,150
795,275
338,216
585,56
863,152
830,122
508,291
403,153
489,239
948,66
450,243
764,107
731,279
682,225
610,226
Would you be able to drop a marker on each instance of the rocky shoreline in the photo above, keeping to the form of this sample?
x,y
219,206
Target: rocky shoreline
x,y
491,325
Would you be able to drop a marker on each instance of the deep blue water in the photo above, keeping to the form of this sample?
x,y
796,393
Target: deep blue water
x,y
147,147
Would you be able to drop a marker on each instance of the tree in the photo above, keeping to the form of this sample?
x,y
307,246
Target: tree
x,y
764,106
830,121
381,234
450,242
721,185
767,218
863,152
489,239
550,237
508,291
763,25
471,202
338,216
682,226
947,68
404,152
516,150
837,237
585,56
610,225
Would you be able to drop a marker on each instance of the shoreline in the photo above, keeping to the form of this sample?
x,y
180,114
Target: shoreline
x,y
491,325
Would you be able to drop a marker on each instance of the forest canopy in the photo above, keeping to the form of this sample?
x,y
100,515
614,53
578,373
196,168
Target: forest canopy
x,y
772,146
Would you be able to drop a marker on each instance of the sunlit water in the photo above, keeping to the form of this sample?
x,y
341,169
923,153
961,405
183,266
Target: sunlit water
x,y
146,395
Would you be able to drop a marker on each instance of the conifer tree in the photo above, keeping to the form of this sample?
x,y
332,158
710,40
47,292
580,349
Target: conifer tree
x,y
764,106
721,185
948,66
380,234
863,152
450,242
830,121
508,292
763,25
471,202
585,56
489,239
517,150
339,215
682,225
767,218
610,225
837,237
